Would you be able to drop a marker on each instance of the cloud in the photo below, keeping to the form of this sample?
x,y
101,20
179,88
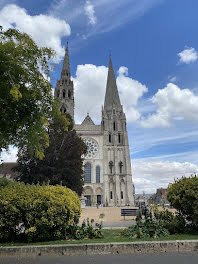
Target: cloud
x,y
90,12
45,30
90,86
111,14
172,103
150,175
188,55
130,91
173,79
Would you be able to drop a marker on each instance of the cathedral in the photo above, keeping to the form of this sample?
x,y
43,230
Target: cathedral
x,y
107,164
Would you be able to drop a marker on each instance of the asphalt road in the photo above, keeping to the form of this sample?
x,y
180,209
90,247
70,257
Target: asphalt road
x,y
168,258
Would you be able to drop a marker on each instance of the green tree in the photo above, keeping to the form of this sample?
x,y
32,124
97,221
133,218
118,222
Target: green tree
x,y
26,100
62,163
183,196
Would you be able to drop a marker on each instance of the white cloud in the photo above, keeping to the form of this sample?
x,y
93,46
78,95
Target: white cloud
x,y
90,85
150,175
188,55
172,103
45,30
90,82
111,14
173,79
90,12
130,91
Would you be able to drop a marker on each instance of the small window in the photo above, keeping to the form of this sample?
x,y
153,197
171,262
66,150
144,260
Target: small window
x,y
114,111
98,174
111,195
122,196
69,94
63,93
111,167
114,126
119,138
109,138
120,165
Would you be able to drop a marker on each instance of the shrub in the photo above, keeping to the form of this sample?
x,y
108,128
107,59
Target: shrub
x,y
85,231
175,224
150,228
36,213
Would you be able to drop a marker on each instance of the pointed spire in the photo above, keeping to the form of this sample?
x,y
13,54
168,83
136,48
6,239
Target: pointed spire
x,y
111,96
66,66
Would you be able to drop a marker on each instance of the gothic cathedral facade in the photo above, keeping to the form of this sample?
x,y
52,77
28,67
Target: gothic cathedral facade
x,y
107,164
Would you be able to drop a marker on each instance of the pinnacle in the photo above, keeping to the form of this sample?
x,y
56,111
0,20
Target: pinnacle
x,y
111,96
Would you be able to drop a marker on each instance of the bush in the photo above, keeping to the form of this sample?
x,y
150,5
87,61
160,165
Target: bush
x,y
183,196
36,213
85,231
175,224
150,228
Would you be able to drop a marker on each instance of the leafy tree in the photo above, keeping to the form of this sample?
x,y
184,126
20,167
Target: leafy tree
x,y
26,101
183,196
62,163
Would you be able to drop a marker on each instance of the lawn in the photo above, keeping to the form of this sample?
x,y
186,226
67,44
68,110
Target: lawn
x,y
110,236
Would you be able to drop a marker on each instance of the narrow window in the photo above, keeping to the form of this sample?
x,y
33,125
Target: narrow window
x,y
111,167
122,196
87,172
120,165
63,93
114,126
109,138
69,94
119,138
111,195
98,174
114,111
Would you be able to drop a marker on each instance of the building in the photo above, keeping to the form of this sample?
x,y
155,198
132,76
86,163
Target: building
x,y
107,165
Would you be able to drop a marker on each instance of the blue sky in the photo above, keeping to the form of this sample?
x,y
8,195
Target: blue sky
x,y
154,46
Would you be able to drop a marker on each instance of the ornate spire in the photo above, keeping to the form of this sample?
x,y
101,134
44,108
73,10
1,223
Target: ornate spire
x,y
66,67
111,96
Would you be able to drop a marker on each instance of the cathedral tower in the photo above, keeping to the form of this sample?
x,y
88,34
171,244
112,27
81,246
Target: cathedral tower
x,y
64,88
117,170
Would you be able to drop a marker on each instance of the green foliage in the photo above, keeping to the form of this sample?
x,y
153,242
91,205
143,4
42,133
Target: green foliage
x,y
62,163
26,101
183,196
175,224
85,231
150,228
5,182
36,213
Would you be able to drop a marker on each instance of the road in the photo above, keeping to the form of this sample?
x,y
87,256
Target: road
x,y
168,258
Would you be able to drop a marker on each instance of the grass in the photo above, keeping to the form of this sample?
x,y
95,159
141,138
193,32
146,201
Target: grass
x,y
110,236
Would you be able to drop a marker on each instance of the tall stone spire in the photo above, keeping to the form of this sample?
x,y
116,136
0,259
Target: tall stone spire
x,y
111,96
66,67
64,88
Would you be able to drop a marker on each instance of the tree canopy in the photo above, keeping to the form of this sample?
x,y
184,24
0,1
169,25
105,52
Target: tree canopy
x,y
183,196
26,101
62,163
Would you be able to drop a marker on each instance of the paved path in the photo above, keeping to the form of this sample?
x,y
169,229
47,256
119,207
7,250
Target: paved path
x,y
118,225
167,258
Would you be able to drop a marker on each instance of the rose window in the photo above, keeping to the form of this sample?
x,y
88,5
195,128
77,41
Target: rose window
x,y
92,147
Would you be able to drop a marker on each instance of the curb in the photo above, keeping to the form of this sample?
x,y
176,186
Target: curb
x,y
101,249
